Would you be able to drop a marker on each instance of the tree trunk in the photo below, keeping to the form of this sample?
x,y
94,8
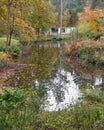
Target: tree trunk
x,y
9,26
11,32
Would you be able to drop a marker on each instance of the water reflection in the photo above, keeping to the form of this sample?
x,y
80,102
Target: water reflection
x,y
87,74
56,80
62,91
98,81
36,66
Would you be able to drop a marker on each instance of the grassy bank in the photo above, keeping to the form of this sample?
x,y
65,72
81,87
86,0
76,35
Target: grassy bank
x,y
13,41
43,38
89,51
22,110
13,49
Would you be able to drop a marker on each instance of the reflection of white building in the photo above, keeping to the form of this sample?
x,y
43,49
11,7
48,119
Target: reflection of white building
x,y
62,92
64,30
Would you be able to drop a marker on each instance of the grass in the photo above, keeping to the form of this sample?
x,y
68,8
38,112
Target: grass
x,y
13,41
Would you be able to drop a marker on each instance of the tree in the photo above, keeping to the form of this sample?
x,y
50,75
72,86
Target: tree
x,y
73,6
97,3
15,16
92,18
42,17
66,18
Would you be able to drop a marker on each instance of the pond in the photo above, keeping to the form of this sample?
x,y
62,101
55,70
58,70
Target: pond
x,y
59,80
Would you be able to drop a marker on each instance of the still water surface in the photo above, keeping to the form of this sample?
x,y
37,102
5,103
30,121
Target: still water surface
x,y
59,80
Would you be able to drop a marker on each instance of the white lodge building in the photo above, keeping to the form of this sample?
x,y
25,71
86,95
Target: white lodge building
x,y
58,31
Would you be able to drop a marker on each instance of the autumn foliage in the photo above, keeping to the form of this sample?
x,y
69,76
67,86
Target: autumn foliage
x,y
92,19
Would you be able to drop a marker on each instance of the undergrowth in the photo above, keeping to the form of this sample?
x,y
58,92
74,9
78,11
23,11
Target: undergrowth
x,y
21,109
88,51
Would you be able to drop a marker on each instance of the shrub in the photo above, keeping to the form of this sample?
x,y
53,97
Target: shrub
x,y
88,115
3,57
21,110
10,102
89,51
14,50
18,109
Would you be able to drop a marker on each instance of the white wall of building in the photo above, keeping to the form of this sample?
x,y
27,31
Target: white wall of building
x,y
56,31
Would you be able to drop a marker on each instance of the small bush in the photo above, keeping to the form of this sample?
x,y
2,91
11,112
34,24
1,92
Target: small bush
x,y
3,57
14,50
19,109
10,102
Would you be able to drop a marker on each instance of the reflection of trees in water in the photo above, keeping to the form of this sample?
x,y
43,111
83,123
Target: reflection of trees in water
x,y
57,81
61,81
87,74
38,66
45,65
